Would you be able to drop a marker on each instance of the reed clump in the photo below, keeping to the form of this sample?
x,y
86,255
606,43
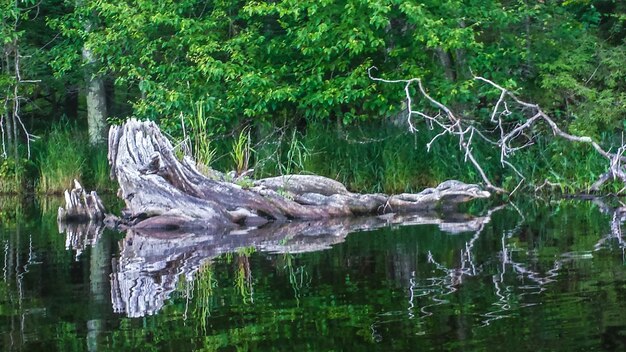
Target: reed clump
x,y
64,155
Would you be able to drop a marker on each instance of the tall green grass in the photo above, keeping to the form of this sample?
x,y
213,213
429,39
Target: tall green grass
x,y
61,159
371,157
242,151
567,167
200,136
374,158
96,174
378,157
64,154
280,152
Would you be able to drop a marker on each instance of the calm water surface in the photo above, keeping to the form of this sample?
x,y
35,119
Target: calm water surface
x,y
543,276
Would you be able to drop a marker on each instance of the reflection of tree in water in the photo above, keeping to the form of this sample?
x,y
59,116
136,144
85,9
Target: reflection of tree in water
x,y
513,279
18,258
618,216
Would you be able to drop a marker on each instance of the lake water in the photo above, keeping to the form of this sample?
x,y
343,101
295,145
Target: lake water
x,y
539,276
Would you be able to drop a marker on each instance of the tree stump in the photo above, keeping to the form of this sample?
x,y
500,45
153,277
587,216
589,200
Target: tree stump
x,y
81,206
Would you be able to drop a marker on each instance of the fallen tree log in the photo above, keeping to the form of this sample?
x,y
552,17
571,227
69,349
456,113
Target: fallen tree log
x,y
161,191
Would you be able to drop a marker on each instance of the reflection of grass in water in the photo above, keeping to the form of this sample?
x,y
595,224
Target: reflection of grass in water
x,y
205,283
243,279
297,276
48,205
11,211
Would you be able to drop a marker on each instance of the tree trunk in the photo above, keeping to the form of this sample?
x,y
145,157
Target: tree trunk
x,y
95,89
96,101
446,63
462,68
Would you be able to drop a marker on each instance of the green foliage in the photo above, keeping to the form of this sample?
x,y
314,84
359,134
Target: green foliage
x,y
226,64
588,87
12,176
261,60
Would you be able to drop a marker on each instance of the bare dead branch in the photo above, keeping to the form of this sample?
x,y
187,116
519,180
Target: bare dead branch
x,y
12,101
513,136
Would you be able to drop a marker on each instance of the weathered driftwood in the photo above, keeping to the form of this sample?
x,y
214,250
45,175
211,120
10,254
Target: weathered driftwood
x,y
171,193
151,261
81,206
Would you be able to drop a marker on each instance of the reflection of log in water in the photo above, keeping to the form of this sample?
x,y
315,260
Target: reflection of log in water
x,y
79,236
618,216
151,262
